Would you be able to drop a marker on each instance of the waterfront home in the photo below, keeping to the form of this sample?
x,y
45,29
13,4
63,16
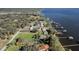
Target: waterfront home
x,y
41,24
33,29
44,39
44,30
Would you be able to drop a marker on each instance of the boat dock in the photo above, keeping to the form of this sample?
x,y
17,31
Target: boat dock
x,y
66,40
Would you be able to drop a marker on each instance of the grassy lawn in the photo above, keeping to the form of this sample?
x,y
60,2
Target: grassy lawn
x,y
25,36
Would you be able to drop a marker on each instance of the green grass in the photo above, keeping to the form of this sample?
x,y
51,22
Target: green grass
x,y
25,35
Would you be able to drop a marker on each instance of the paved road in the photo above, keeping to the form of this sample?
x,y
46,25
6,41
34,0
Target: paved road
x,y
11,40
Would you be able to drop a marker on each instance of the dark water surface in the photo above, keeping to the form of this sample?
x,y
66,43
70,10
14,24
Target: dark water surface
x,y
67,17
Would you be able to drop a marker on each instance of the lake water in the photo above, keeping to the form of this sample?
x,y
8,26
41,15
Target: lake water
x,y
67,17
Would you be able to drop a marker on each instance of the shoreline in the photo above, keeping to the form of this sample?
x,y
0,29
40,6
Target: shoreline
x,y
57,43
58,46
67,41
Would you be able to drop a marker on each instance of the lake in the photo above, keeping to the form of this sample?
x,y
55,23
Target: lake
x,y
67,17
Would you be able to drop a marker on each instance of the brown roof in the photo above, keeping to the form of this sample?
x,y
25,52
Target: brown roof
x,y
43,47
